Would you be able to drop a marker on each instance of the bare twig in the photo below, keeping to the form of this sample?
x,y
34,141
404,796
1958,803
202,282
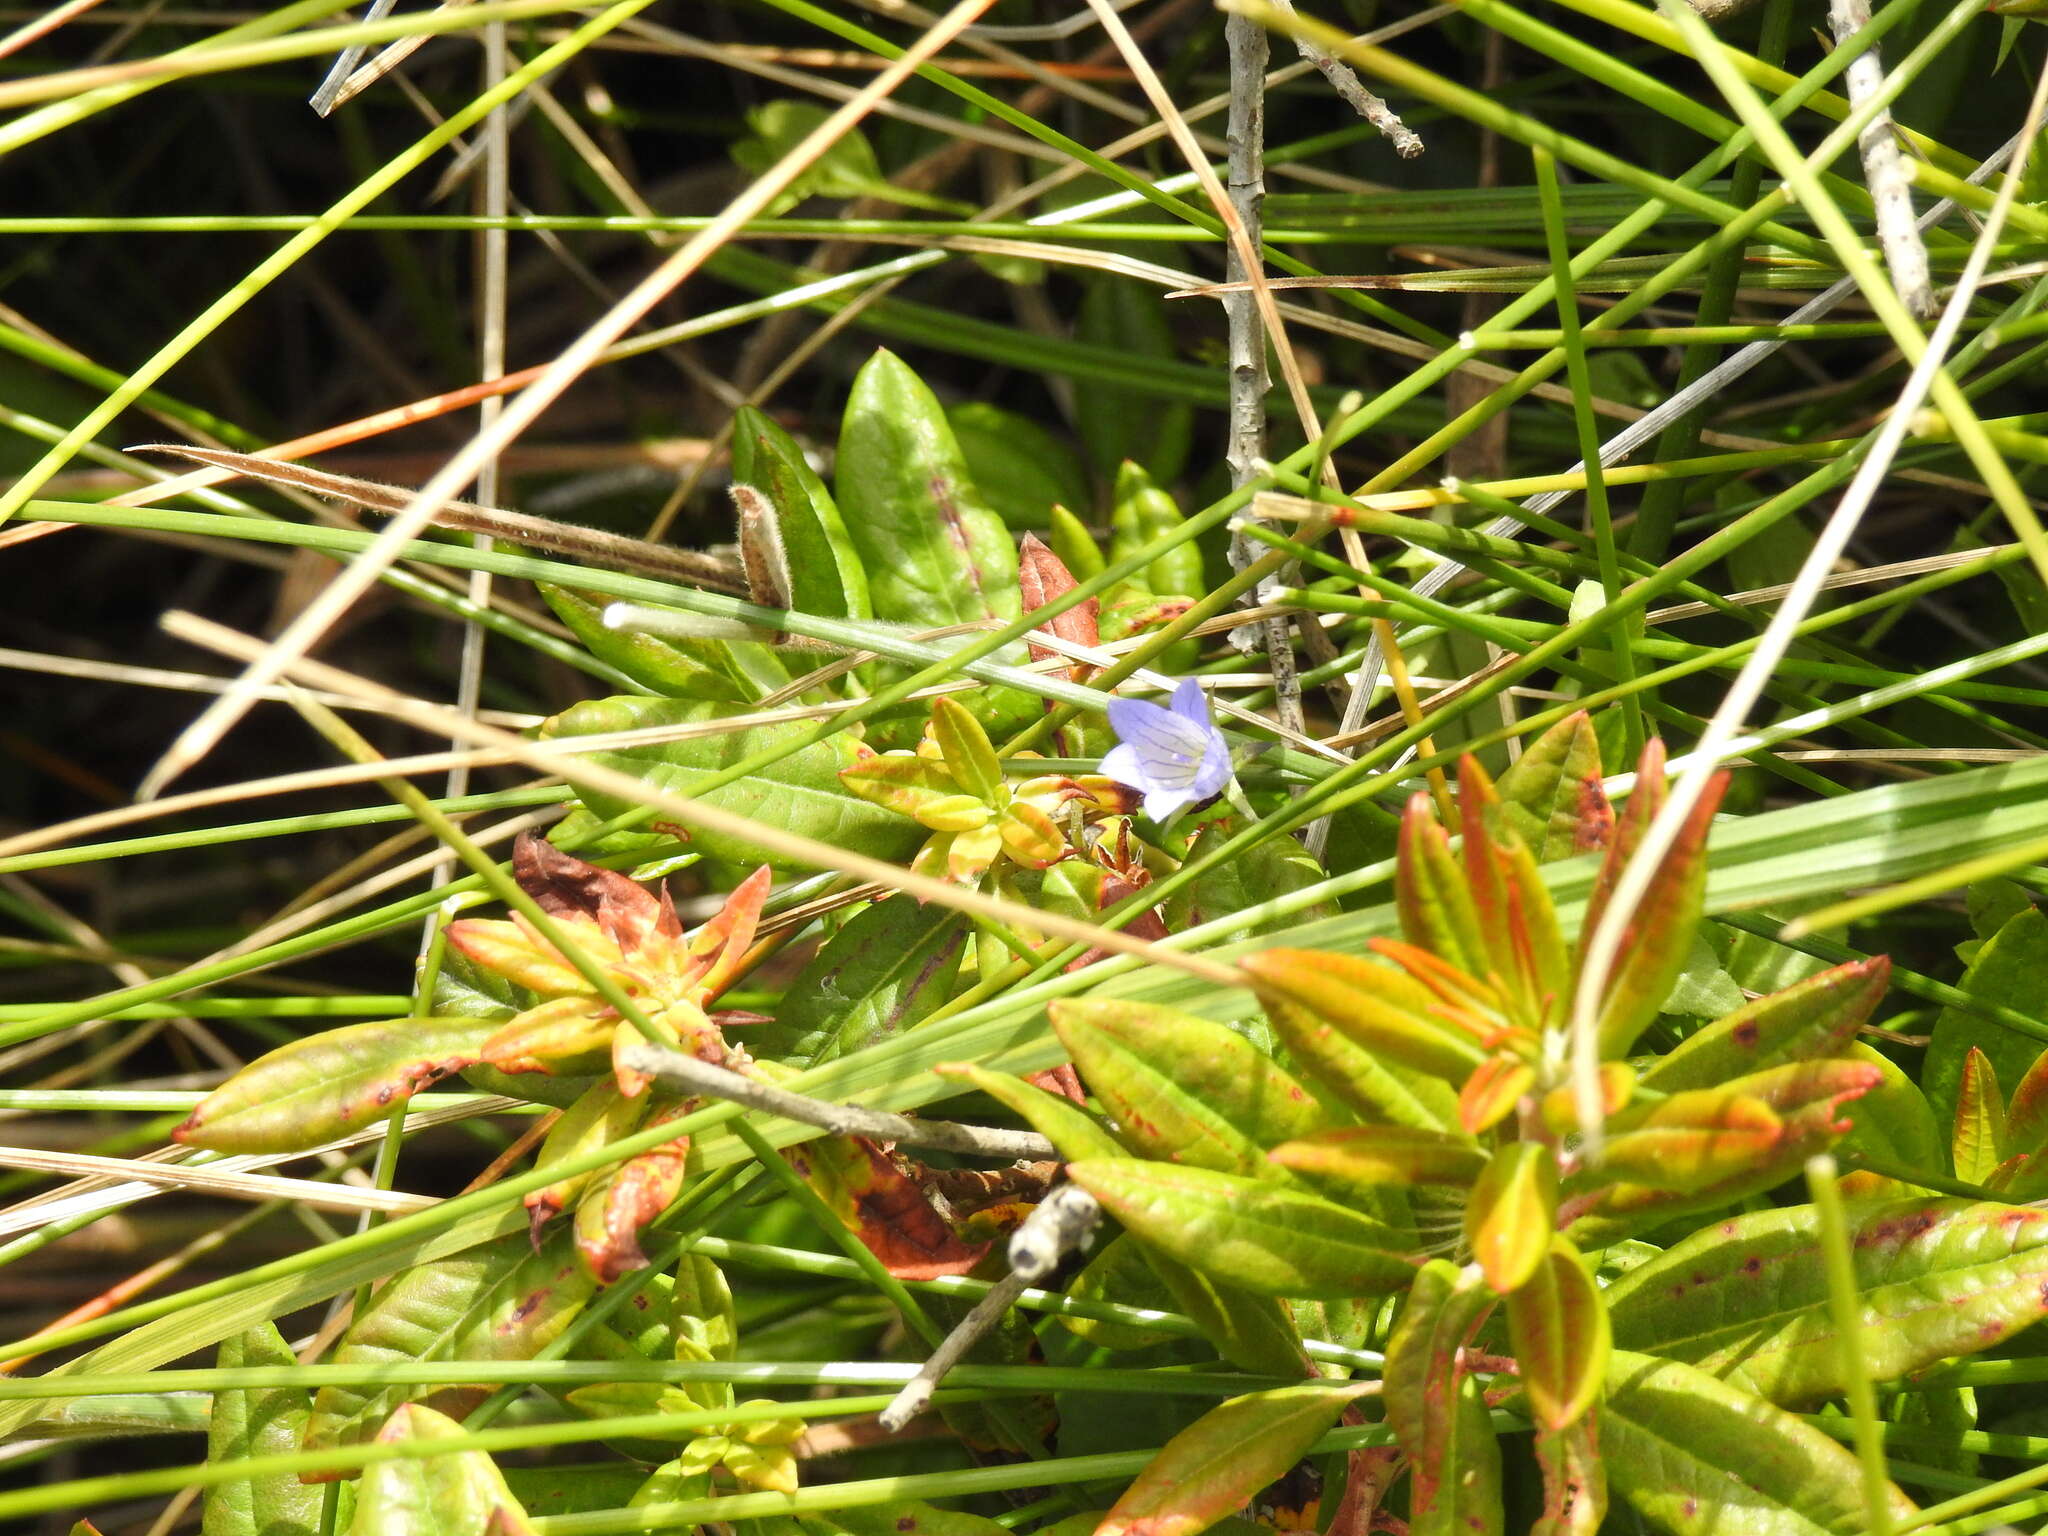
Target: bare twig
x,y
686,1074
1884,167
1063,1222
1345,82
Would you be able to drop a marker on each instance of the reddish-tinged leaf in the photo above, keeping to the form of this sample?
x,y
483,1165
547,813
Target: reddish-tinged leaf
x,y
1979,1141
1213,1467
915,787
1561,1336
1430,892
1552,796
1694,1139
885,1208
1435,1408
2026,1117
1491,1093
497,1301
1806,1096
1381,1009
1184,1089
314,1090
1617,1088
624,1199
1512,1214
717,949
1574,1480
1043,578
1474,1006
1372,1155
565,887
512,949
599,1117
1373,1089
567,1037
459,1493
1264,1237
1525,954
1659,935
1069,1127
1030,836
1810,1019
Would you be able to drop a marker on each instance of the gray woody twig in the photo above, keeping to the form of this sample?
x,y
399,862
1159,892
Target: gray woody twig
x,y
687,1074
1345,82
1884,168
1065,1220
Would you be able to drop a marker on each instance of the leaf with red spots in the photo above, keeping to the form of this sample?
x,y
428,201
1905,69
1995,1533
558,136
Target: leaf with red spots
x,y
326,1085
1552,796
457,1493
886,1208
1042,577
1436,1409
1698,1456
1805,1096
1185,1089
1574,1479
1810,1019
1212,1468
600,1116
500,1300
1747,1298
1262,1236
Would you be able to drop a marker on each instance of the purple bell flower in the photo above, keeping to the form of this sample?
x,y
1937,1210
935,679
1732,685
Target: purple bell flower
x,y
1175,757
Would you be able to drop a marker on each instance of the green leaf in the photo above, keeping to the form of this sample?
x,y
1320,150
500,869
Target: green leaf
x,y
461,1493
1574,1480
1372,1155
1122,1273
1979,1138
1184,1088
1552,796
2007,971
1436,1409
498,1301
1278,867
1380,1008
964,747
1263,1237
1700,1457
799,793
1213,1467
265,1422
1562,1338
879,975
847,168
1141,515
1431,893
1353,1077
1512,1213
1747,1298
1894,1122
1115,423
326,1085
1024,470
1810,1019
825,573
934,551
908,1518
681,669
2026,1125
1070,1128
